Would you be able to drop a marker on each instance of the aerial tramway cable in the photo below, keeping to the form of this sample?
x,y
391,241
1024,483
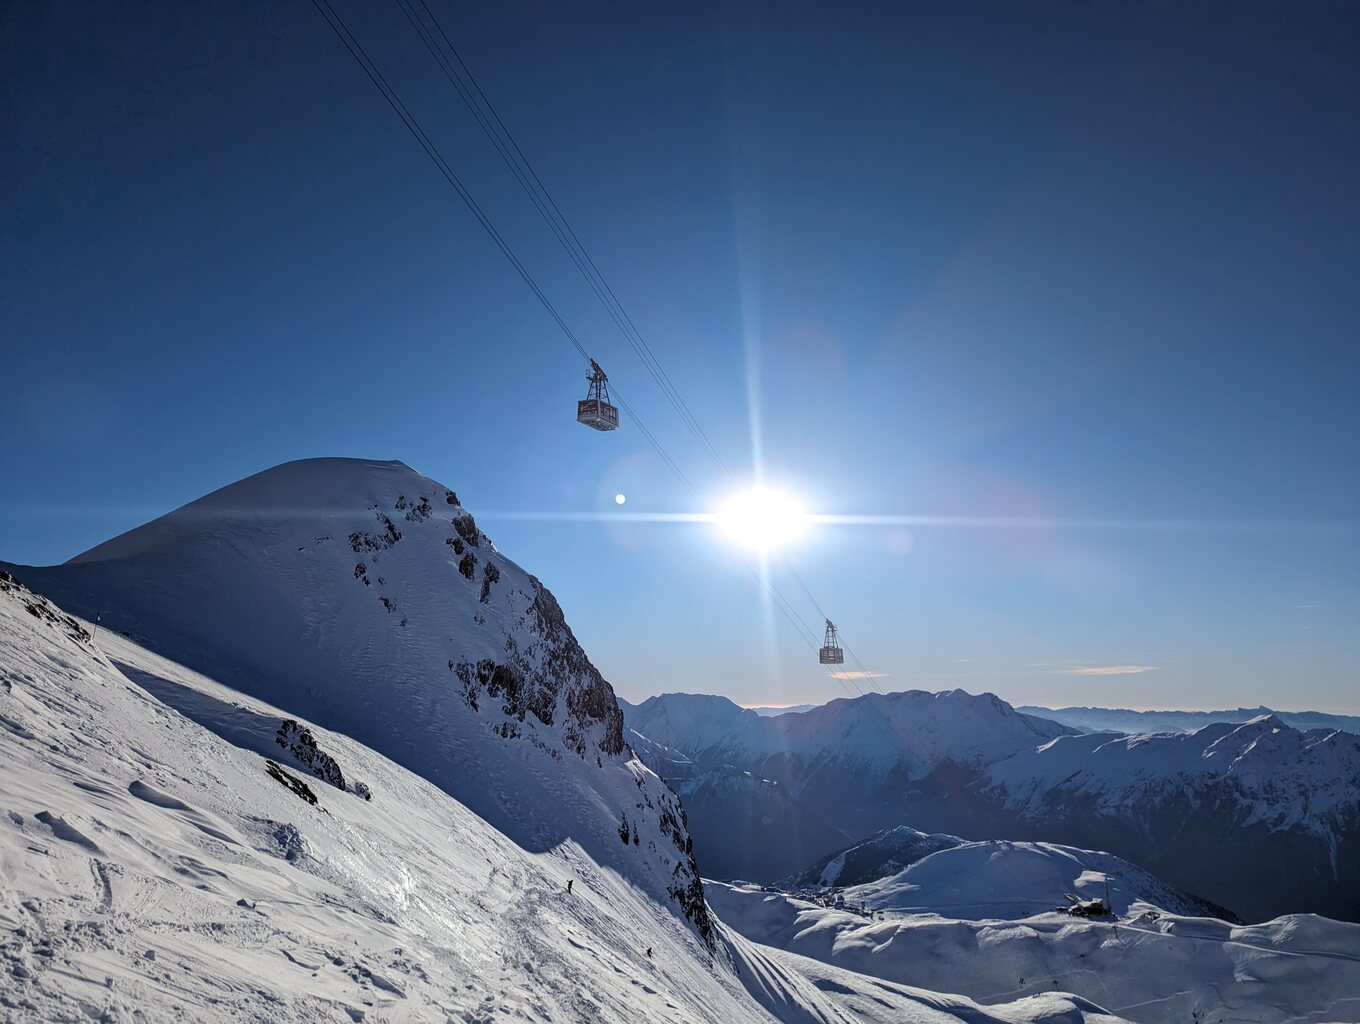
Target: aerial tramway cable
x,y
512,154
562,229
389,94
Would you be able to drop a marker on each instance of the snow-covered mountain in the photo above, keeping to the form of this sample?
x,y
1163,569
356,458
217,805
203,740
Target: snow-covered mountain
x,y
363,596
1259,816
383,833
1090,719
823,778
884,853
1151,966
1215,812
909,732
788,709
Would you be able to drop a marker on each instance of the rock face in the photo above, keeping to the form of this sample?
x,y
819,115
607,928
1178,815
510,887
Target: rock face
x,y
363,596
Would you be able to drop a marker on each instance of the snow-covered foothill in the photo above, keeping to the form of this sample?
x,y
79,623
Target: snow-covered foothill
x,y
1013,880
884,853
1149,967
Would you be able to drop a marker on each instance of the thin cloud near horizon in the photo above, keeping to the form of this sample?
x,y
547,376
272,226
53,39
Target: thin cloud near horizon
x,y
1108,670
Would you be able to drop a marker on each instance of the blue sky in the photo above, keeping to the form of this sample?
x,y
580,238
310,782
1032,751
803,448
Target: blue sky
x,y
1088,266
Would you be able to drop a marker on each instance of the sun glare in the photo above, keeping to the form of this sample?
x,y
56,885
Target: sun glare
x,y
761,518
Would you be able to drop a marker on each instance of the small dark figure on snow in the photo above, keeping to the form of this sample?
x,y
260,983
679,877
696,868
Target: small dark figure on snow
x,y
649,952
569,881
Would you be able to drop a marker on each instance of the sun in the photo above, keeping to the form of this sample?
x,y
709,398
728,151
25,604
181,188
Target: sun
x,y
761,518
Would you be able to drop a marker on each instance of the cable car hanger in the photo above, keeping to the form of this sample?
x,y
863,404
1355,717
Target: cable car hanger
x,y
831,653
595,409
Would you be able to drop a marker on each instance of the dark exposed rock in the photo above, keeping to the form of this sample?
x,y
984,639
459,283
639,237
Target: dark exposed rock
x,y
419,511
40,608
490,575
290,781
468,565
466,527
299,741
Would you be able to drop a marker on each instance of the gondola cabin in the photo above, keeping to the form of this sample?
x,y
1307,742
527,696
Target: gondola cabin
x,y
831,652
595,410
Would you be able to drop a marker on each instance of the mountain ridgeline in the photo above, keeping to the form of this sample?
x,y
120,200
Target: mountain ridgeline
x,y
1258,817
364,596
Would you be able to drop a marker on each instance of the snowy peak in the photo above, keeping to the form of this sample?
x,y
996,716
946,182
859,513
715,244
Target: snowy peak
x,y
687,722
915,730
362,595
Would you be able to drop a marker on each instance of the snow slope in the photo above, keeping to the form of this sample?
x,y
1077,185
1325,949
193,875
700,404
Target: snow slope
x,y
165,856
1010,880
1150,968
361,596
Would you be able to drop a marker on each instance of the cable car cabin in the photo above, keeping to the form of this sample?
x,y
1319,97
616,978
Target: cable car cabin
x,y
831,652
595,413
594,410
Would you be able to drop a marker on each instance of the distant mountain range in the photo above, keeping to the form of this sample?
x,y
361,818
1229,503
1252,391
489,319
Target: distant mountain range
x,y
792,709
1125,720
1259,816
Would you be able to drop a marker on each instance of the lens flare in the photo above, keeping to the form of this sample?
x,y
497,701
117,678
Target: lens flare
x,y
762,518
